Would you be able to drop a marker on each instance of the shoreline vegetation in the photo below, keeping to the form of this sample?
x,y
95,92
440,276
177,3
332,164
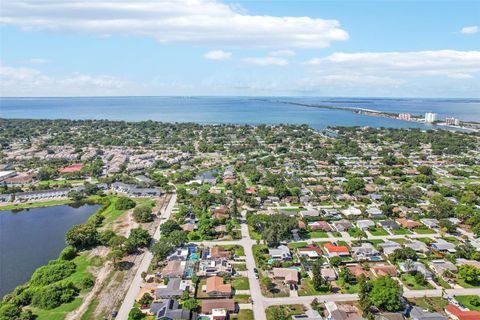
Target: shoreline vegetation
x,y
55,289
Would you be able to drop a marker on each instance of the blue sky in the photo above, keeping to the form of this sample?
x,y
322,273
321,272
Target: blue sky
x,y
207,47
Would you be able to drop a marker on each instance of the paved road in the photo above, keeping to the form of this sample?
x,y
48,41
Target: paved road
x,y
132,292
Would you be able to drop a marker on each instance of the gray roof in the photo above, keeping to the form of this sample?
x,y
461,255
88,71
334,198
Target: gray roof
x,y
419,314
169,309
172,289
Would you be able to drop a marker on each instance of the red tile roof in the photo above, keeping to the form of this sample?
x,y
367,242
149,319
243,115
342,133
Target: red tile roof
x,y
332,248
73,168
462,315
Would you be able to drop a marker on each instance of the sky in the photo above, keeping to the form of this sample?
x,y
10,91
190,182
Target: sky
x,y
240,48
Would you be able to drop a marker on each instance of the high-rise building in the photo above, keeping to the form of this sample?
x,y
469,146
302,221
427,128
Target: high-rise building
x,y
430,117
405,116
452,121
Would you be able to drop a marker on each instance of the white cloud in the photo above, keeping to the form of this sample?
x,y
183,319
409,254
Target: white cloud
x,y
218,55
447,63
282,53
31,82
207,22
266,61
38,61
469,30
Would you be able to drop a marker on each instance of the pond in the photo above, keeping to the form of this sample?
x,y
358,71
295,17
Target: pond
x,y
30,238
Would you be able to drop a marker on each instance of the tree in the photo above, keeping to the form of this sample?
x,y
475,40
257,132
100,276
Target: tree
x,y
335,261
354,185
469,274
383,293
82,236
162,249
124,203
54,271
146,299
136,314
68,253
346,275
317,279
190,304
142,214
139,237
115,255
359,234
177,238
9,311
268,283
53,295
441,207
447,225
169,226
403,254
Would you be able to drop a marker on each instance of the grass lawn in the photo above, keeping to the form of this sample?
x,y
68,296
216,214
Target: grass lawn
x,y
111,214
237,250
38,204
350,288
451,240
444,284
401,231
253,234
431,303
411,283
464,284
306,288
317,234
288,209
378,231
241,298
240,283
465,300
336,234
287,310
342,243
400,240
296,245
59,312
245,314
425,240
88,315
240,266
424,230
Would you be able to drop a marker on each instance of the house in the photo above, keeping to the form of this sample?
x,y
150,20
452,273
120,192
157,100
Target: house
x,y
443,246
208,305
281,253
308,315
215,267
71,169
374,212
365,224
457,314
331,213
335,251
220,212
419,314
407,223
336,311
389,224
364,252
416,266
180,254
218,252
216,288
431,223
188,227
389,247
174,268
42,194
389,316
386,270
311,251
472,263
351,211
329,274
170,309
342,225
173,289
320,225
441,266
145,192
287,275
309,213
418,246
356,270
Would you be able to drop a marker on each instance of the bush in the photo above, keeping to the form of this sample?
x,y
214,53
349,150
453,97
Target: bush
x,y
86,282
143,214
69,253
135,314
54,271
82,236
124,203
139,237
54,295
9,311
474,301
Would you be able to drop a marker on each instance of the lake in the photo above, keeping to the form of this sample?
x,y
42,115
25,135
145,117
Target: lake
x,y
238,110
30,238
